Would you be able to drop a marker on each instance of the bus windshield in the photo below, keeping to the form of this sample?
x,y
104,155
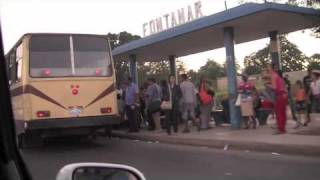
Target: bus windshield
x,y
69,56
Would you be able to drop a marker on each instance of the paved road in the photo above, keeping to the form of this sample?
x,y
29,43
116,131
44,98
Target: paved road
x,y
169,162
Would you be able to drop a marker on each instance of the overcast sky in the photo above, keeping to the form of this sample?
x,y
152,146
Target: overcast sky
x,y
103,16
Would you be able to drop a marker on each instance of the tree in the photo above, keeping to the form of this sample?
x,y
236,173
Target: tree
x,y
238,67
252,68
122,67
314,62
160,70
291,57
194,75
212,70
257,1
121,38
305,3
308,3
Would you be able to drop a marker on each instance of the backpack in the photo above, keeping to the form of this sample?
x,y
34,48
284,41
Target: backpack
x,y
205,98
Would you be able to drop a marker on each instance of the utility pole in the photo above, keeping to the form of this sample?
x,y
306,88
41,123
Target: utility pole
x,y
225,4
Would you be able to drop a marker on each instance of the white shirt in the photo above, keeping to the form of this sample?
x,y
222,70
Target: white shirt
x,y
188,92
315,87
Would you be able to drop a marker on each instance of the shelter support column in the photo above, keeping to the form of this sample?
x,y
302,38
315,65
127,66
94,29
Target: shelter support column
x,y
234,111
133,68
275,48
172,65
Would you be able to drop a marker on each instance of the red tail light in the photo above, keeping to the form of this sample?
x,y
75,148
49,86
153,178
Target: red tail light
x,y
41,114
106,110
46,72
98,72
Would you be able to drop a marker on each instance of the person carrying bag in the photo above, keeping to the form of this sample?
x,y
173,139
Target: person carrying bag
x,y
153,98
206,103
171,94
166,103
245,90
205,98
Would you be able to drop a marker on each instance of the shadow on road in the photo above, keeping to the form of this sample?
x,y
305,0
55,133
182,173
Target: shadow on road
x,y
70,144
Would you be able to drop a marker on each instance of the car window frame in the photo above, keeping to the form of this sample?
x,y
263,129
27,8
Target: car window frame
x,y
12,164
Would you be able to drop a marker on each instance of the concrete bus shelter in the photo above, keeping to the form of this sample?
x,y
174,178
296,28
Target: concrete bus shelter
x,y
237,25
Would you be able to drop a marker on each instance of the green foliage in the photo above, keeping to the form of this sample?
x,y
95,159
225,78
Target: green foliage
x,y
121,38
304,3
122,67
212,70
250,70
314,62
158,70
308,3
194,75
291,57
257,1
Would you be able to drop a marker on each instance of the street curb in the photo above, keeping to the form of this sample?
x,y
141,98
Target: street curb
x,y
307,150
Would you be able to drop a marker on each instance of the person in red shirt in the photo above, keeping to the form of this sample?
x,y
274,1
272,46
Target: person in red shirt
x,y
245,90
281,100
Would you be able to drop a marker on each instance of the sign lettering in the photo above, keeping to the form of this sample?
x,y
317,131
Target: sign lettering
x,y
173,19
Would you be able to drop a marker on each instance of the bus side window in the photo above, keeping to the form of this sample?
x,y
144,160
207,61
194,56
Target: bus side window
x,y
19,63
8,68
12,67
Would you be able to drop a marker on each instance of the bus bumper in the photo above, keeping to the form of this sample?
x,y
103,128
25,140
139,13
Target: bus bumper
x,y
76,122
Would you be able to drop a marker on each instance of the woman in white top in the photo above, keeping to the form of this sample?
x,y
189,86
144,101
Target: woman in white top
x,y
315,90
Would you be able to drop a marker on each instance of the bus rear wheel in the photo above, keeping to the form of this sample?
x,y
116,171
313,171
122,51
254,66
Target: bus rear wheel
x,y
108,131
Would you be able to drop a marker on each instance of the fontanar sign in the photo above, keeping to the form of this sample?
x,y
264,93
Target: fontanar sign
x,y
173,19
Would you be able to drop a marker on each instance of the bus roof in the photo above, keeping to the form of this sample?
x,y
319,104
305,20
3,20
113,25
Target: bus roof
x,y
53,34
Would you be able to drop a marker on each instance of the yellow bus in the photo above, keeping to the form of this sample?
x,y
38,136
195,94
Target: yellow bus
x,y
61,84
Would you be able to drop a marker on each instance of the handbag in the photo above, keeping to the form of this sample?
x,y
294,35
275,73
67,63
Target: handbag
x,y
246,107
205,98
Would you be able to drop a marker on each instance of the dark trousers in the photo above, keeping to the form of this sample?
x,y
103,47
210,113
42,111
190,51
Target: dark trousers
x,y
152,125
171,119
309,110
132,114
292,107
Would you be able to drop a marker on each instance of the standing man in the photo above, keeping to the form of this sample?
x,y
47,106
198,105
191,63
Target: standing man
x,y
306,83
315,91
153,101
171,94
132,106
189,100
